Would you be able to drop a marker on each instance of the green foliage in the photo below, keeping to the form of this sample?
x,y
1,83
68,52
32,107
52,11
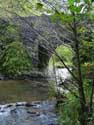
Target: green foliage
x,y
69,111
8,32
87,88
12,33
61,17
39,5
87,58
15,60
10,8
52,90
88,69
66,53
87,49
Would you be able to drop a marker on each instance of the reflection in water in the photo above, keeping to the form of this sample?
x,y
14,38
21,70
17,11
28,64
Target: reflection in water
x,y
23,113
23,90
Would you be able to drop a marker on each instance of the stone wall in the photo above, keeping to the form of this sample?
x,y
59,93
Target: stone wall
x,y
39,35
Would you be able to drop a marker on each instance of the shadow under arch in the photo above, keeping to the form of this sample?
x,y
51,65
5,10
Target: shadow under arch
x,y
45,56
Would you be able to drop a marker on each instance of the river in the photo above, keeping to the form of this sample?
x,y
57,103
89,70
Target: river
x,y
26,102
36,110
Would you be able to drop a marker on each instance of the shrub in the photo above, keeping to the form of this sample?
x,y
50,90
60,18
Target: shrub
x,y
69,111
15,60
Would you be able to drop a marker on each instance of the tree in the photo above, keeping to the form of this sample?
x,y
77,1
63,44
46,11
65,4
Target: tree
x,y
75,17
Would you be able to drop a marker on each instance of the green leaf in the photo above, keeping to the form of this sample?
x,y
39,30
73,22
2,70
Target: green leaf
x,y
15,60
39,5
87,1
78,1
71,2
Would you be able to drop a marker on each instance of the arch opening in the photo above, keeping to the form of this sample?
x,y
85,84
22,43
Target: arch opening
x,y
64,52
46,60
56,67
57,72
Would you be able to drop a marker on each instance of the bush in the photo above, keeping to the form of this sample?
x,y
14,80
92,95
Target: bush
x,y
87,51
15,60
69,111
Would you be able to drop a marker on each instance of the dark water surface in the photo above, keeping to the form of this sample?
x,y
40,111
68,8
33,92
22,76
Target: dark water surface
x,y
23,90
26,103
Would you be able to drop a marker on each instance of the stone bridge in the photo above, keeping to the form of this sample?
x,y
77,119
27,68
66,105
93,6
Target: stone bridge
x,y
40,36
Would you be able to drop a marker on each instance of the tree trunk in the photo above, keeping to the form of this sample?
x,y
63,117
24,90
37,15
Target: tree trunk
x,y
79,76
81,89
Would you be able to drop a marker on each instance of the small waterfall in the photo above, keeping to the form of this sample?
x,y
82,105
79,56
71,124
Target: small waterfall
x,y
62,74
59,75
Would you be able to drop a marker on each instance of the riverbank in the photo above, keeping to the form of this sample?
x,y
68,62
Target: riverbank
x,y
38,75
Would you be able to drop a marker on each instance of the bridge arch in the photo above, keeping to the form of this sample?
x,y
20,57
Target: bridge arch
x,y
45,56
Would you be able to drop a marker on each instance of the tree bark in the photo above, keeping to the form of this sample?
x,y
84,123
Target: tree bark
x,y
79,75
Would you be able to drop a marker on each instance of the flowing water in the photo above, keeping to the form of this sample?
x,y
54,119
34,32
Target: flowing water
x,y
36,110
59,75
23,113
